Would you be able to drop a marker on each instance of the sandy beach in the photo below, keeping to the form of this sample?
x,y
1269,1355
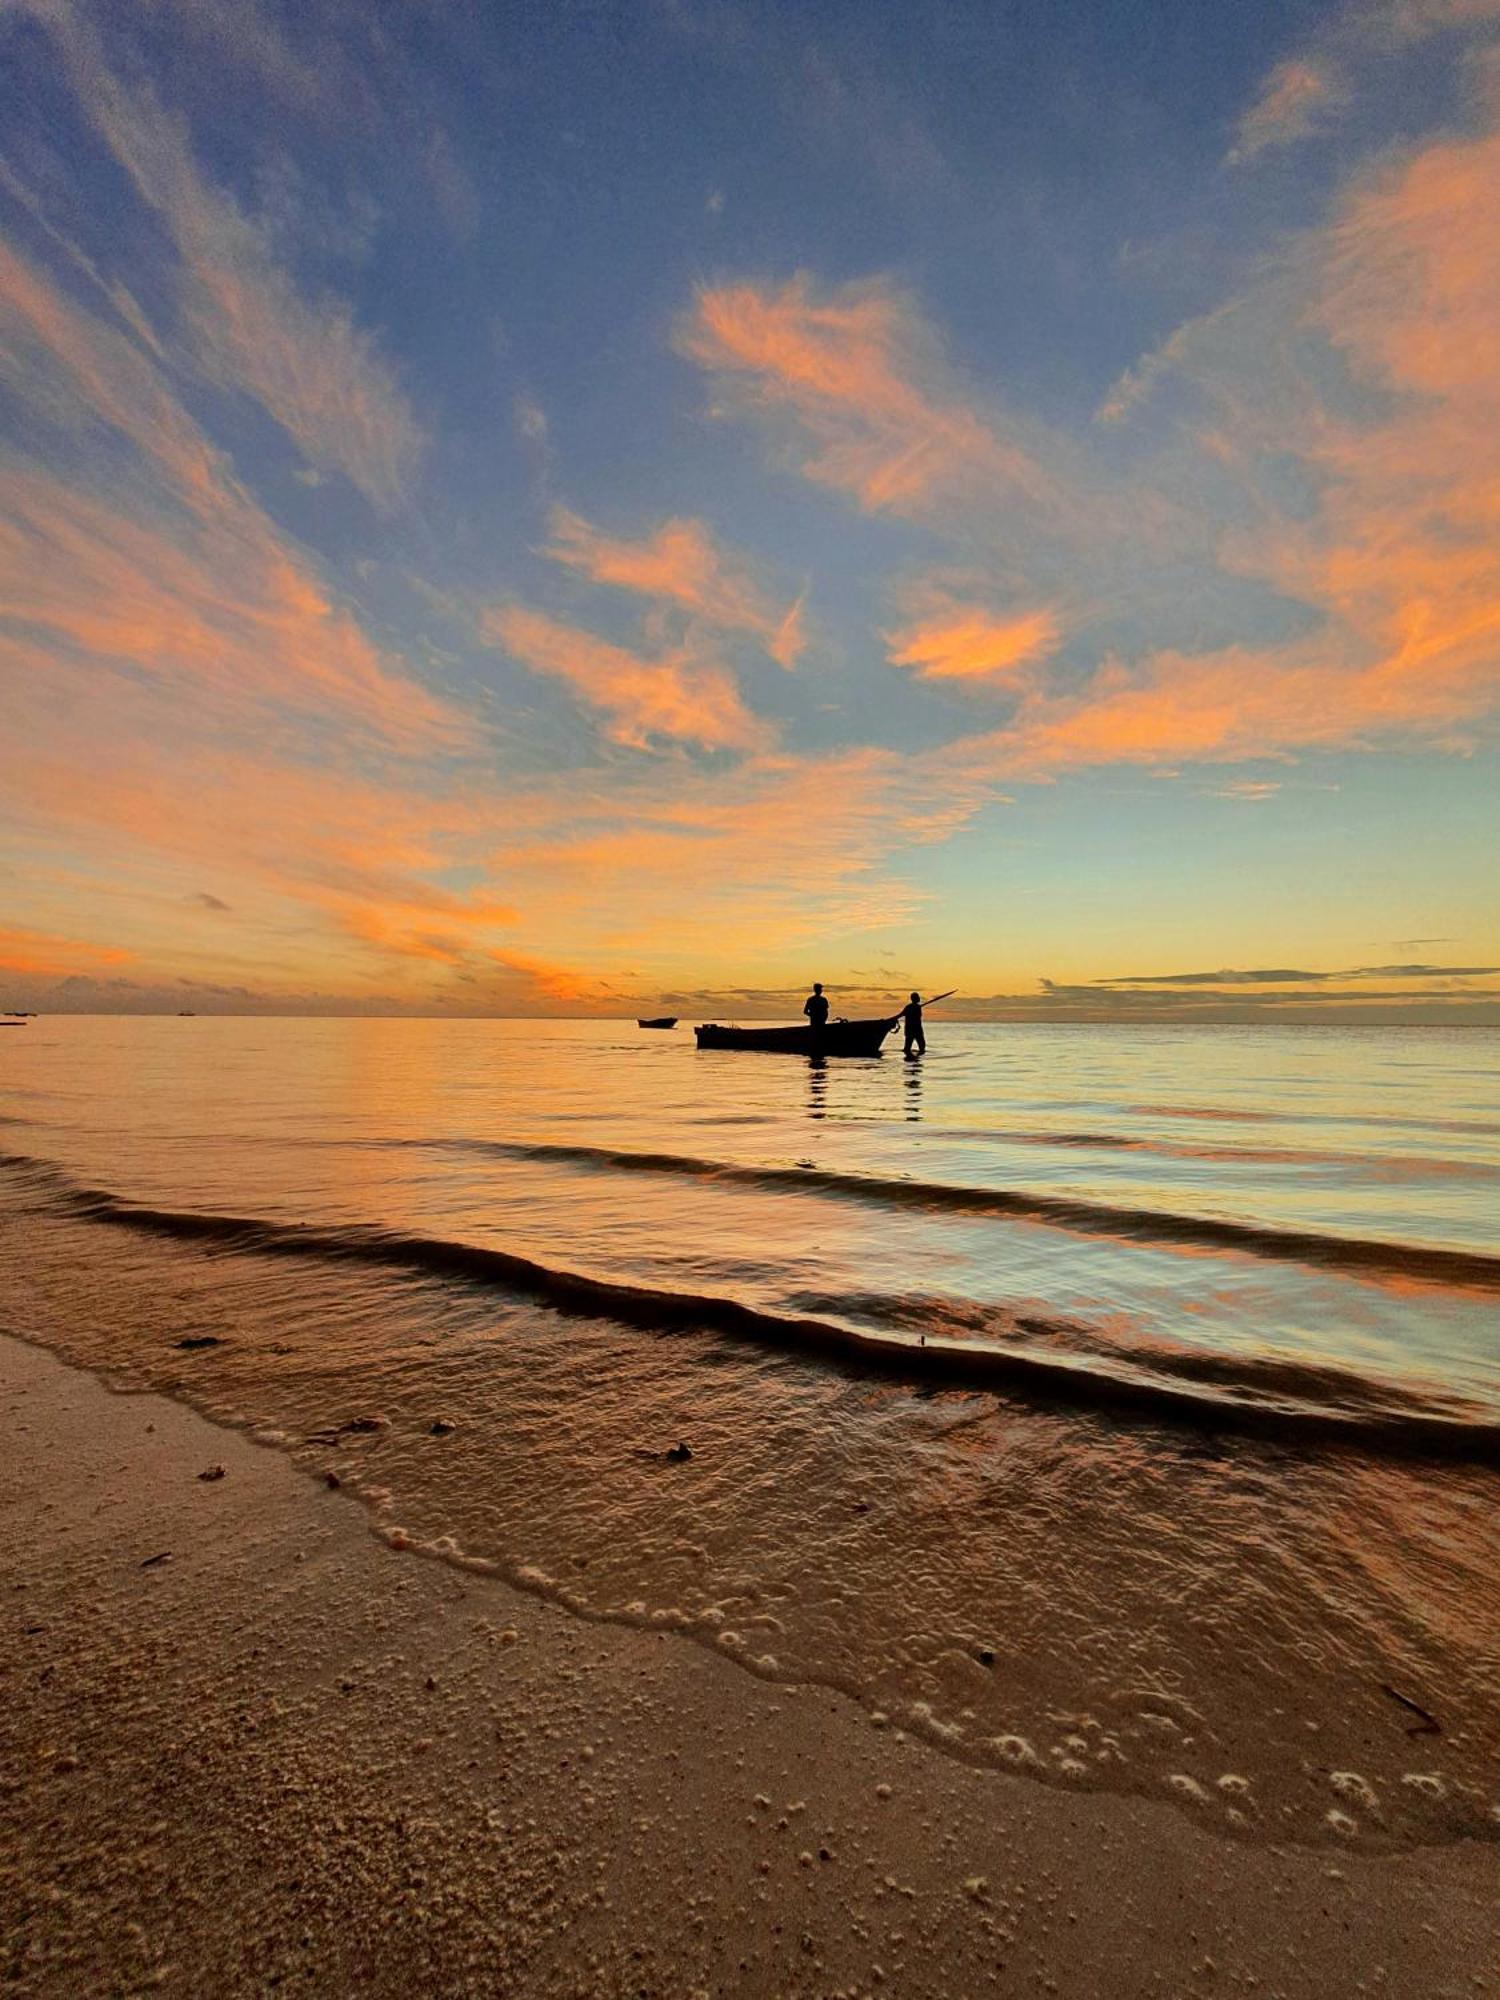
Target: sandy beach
x,y
248,1745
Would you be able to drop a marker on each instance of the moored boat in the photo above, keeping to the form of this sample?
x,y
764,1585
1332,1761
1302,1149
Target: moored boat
x,y
838,1038
661,1021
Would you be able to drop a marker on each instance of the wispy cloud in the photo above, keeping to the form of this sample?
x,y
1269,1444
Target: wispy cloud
x,y
248,326
1368,359
681,564
1298,99
1308,90
23,951
1247,791
852,377
973,645
681,697
683,870
1289,976
1059,1001
164,565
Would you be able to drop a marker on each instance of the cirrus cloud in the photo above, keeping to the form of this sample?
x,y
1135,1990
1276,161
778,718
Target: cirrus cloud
x,y
681,564
680,697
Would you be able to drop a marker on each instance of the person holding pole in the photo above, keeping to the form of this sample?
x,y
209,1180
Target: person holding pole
x,y
910,1018
911,1022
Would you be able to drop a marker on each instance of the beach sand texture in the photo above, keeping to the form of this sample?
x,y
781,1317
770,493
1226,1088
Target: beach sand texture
x,y
290,1757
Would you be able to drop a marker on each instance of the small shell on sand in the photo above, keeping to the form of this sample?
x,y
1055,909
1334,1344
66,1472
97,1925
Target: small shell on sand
x,y
1188,1788
1358,1790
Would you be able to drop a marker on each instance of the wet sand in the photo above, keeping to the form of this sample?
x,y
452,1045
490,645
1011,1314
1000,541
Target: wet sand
x,y
291,1757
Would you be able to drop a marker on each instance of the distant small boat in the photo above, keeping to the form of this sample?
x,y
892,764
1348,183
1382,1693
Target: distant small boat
x,y
12,1024
661,1021
186,1014
838,1038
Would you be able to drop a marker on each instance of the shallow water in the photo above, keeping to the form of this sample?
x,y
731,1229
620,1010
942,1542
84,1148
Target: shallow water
x,y
1121,1405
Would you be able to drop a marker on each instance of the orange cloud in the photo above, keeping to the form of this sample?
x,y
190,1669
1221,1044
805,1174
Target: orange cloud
x,y
334,869
785,644
1297,99
681,564
1303,93
680,698
1397,566
968,643
76,365
428,924
39,952
249,328
1415,19
160,562
332,876
224,611
686,871
853,375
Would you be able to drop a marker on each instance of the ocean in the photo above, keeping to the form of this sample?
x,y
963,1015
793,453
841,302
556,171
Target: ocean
x,y
1116,1406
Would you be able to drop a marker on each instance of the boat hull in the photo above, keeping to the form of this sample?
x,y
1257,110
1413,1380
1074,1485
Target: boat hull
x,y
664,1021
839,1038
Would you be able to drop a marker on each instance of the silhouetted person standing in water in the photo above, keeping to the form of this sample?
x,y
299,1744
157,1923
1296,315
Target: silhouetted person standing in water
x,y
815,1007
911,1021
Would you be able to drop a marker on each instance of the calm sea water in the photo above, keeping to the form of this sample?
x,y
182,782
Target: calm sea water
x,y
1118,1405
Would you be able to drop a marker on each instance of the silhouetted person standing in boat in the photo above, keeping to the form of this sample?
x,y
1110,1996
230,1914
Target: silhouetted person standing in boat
x,y
815,1007
911,1021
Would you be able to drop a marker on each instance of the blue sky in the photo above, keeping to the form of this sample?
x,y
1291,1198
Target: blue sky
x,y
515,509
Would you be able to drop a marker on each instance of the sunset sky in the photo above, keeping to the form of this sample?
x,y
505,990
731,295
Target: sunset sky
x,y
576,507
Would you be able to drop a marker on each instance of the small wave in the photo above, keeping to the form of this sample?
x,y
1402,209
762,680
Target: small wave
x,y
1277,1394
1362,1256
1364,1165
1484,1128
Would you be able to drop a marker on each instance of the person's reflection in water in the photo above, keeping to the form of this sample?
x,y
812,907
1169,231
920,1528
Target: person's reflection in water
x,y
817,1086
913,1081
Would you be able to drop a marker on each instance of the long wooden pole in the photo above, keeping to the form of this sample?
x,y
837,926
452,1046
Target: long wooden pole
x,y
928,1003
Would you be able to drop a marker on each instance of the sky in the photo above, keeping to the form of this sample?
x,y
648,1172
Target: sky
x,y
603,508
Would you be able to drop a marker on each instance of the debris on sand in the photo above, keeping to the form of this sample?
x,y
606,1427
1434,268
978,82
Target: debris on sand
x,y
1429,1724
195,1340
152,1561
212,1472
351,1427
675,1454
441,1427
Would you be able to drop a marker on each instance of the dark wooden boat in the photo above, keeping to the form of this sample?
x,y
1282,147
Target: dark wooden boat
x,y
661,1021
839,1038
